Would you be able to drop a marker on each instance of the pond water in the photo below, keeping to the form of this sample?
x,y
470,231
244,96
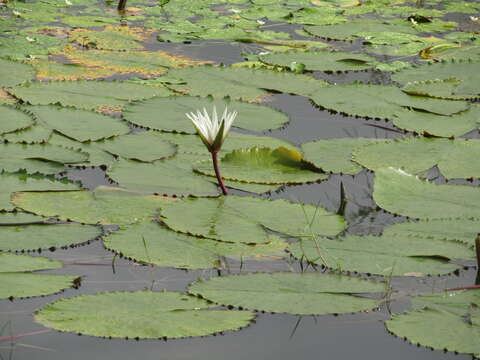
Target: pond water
x,y
360,335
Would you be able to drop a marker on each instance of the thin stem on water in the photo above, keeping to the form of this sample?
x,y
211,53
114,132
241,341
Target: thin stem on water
x,y
217,172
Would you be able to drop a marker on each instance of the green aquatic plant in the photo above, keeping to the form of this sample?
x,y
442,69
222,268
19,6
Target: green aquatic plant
x,y
213,132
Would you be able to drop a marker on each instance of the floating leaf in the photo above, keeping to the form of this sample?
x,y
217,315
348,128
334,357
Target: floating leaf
x,y
37,158
147,147
383,255
124,62
10,183
334,155
454,158
35,237
380,101
18,217
264,166
170,177
140,314
241,83
321,60
152,243
238,219
467,72
33,135
168,113
294,293
464,230
13,119
456,316
110,38
432,124
85,94
16,282
80,125
14,73
353,30
440,89
404,194
49,70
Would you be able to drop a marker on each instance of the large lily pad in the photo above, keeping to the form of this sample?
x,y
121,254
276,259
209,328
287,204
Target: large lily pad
x,y
106,206
16,280
464,230
380,101
321,60
384,255
162,177
45,236
80,125
264,166
454,158
304,293
85,94
240,83
466,72
10,183
335,155
168,113
456,316
432,124
404,194
110,38
14,73
152,243
140,314
38,158
147,146
13,119
238,219
32,135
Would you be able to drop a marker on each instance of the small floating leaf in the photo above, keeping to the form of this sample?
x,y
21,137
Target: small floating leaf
x,y
14,73
13,119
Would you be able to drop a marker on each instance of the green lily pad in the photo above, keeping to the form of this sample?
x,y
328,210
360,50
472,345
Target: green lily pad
x,y
464,230
147,147
440,89
241,83
13,119
168,114
106,206
263,166
96,156
35,237
152,243
38,158
140,314
80,125
19,217
384,255
335,155
445,126
454,158
294,293
456,316
466,72
238,219
353,30
162,177
85,94
16,281
110,38
14,73
32,135
321,60
10,183
389,101
405,194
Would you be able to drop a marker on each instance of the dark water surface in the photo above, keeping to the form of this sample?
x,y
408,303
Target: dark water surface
x,y
359,336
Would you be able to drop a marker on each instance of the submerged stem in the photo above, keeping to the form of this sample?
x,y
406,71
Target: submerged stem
x,y
217,172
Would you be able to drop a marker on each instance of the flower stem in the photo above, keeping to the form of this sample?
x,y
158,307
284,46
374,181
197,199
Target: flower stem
x,y
217,172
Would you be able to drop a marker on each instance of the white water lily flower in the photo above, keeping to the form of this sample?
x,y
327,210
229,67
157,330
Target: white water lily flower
x,y
29,39
16,13
212,130
68,3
